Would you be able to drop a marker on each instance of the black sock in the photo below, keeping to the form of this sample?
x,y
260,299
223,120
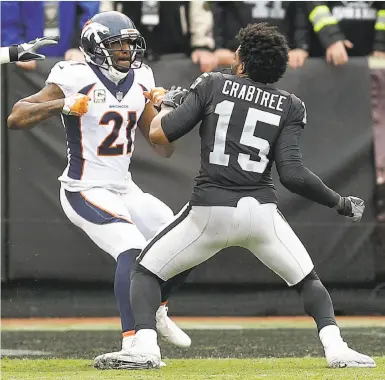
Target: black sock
x,y
172,284
124,266
145,295
316,300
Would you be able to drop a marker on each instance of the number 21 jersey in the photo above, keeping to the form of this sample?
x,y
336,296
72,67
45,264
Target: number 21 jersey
x,y
100,143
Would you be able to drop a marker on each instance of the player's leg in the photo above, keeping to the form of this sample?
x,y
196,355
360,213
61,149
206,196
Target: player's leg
x,y
125,263
194,236
150,215
102,215
277,246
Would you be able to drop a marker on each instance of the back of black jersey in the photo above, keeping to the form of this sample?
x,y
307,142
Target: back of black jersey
x,y
238,132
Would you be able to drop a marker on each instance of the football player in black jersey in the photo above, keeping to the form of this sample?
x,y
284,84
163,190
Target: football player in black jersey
x,y
246,125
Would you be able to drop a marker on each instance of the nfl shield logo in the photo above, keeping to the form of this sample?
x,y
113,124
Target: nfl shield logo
x,y
119,95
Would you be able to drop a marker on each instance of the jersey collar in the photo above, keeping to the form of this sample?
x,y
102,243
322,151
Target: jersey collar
x,y
119,90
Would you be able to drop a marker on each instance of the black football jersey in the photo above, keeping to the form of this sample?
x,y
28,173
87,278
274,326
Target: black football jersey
x,y
241,121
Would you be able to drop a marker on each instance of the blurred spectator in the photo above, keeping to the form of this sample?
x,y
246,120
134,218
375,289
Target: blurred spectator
x,y
378,112
346,28
26,20
230,16
174,27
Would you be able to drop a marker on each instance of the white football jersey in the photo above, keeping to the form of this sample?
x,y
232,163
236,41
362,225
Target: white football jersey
x,y
100,143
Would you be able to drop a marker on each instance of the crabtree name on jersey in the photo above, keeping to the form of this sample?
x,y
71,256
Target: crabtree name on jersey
x,y
253,94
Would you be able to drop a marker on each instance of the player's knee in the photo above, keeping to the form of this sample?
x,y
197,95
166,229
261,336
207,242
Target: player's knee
x,y
124,265
139,269
312,276
127,258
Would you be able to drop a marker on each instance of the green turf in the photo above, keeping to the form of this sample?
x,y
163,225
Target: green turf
x,y
178,369
251,354
237,344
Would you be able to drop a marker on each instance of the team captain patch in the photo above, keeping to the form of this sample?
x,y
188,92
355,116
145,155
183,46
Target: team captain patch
x,y
100,96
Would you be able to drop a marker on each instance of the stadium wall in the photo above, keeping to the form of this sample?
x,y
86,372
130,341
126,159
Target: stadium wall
x,y
40,243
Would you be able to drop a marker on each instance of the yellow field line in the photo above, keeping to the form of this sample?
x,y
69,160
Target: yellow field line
x,y
197,323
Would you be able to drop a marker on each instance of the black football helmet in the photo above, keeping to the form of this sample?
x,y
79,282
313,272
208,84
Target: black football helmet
x,y
106,28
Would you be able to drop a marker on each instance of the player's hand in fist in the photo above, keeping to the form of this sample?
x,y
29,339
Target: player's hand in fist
x,y
175,97
351,207
155,96
76,105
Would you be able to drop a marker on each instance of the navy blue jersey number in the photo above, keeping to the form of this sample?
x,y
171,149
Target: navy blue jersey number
x,y
108,146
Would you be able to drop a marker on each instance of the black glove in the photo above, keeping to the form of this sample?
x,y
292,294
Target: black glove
x,y
175,97
27,51
351,207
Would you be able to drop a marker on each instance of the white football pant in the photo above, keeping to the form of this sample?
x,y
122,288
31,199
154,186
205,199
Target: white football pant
x,y
199,232
116,222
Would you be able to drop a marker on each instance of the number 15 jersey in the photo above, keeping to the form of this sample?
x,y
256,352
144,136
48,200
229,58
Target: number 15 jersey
x,y
241,123
100,143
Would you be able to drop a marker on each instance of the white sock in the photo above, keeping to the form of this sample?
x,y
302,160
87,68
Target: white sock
x,y
127,342
161,309
330,336
146,336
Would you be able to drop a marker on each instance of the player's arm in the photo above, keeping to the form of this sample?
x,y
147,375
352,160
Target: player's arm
x,y
144,123
26,52
292,172
300,180
29,111
6,55
50,101
180,112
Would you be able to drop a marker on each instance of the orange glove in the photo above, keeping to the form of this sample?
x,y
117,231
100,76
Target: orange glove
x,y
156,95
76,105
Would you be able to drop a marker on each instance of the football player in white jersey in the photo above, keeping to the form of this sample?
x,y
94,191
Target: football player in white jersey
x,y
102,103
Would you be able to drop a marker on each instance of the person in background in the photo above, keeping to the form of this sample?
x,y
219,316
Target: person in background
x,y
230,16
346,28
378,116
174,27
27,20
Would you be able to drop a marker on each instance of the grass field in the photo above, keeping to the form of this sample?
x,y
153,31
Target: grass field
x,y
198,369
223,348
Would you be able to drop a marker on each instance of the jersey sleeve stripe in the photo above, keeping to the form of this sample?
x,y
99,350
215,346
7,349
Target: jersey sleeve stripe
x,y
87,89
73,127
144,89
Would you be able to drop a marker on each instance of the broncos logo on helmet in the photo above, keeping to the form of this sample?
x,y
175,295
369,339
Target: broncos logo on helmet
x,y
110,36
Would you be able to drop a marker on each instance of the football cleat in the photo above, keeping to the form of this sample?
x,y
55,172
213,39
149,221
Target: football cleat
x,y
127,360
344,357
169,331
141,355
